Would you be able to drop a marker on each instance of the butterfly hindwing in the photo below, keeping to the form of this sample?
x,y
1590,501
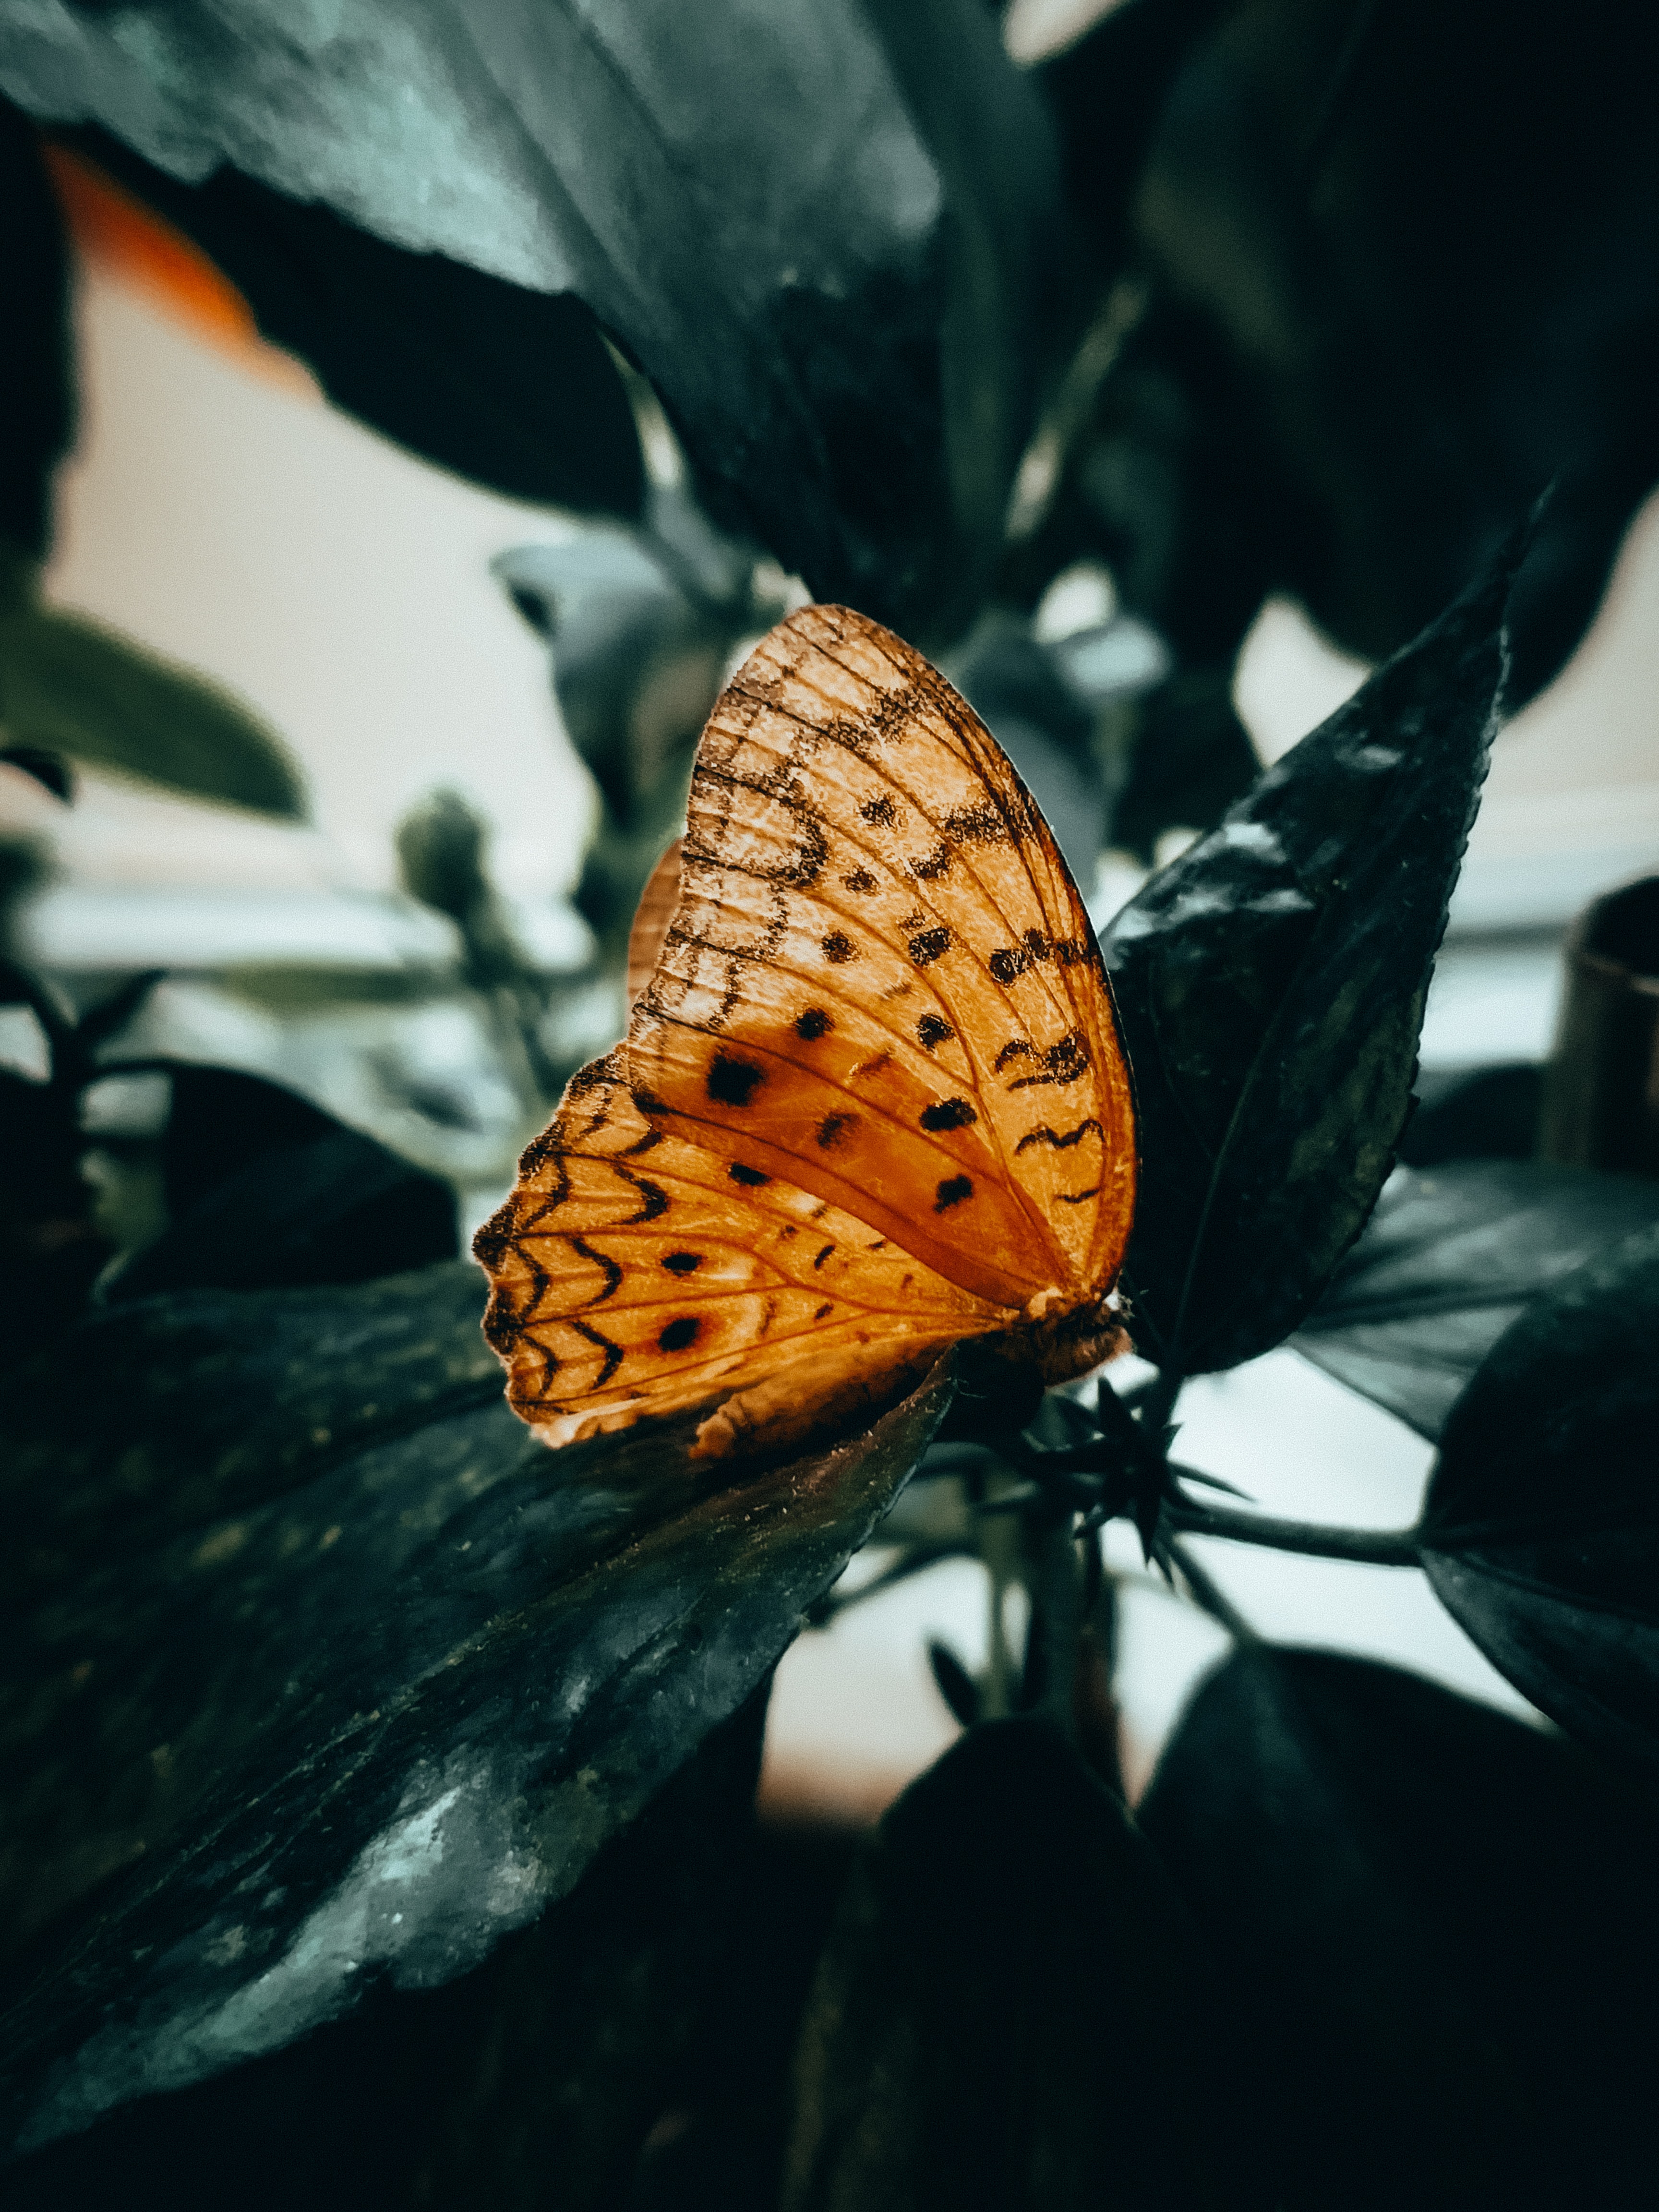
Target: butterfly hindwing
x,y
880,982
633,1271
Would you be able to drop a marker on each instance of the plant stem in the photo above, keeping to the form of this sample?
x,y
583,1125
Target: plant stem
x,y
1206,1594
1380,1547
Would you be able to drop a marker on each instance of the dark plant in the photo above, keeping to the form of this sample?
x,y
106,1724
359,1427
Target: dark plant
x,y
378,1821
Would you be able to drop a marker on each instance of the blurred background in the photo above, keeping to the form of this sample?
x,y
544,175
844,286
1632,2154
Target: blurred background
x,y
350,896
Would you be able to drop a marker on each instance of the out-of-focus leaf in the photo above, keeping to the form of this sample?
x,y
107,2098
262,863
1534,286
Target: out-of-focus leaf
x,y
1451,1257
69,686
1295,182
1541,1529
829,233
1011,2010
1052,705
511,388
642,623
1474,1113
265,1192
1270,987
1442,1933
322,1673
37,398
538,2074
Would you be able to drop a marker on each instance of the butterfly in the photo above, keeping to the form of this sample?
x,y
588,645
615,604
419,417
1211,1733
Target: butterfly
x,y
872,1100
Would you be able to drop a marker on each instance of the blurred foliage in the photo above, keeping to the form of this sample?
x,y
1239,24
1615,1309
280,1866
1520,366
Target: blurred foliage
x,y
1408,1896
641,625
848,285
37,386
70,687
510,388
1387,301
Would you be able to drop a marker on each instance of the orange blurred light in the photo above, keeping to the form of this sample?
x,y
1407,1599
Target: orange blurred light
x,y
114,229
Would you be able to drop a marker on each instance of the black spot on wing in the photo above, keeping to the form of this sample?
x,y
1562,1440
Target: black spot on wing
x,y
812,1024
838,948
731,1082
751,1178
683,1263
880,811
928,945
679,1333
833,1127
951,1192
861,880
948,1114
931,1031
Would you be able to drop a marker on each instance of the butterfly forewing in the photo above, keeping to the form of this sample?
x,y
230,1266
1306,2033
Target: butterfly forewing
x,y
880,981
633,1272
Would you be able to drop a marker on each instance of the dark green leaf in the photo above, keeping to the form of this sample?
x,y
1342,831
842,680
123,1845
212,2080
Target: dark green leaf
x,y
37,392
1541,1530
1451,1257
330,1674
1011,2010
511,388
829,232
69,686
1270,985
1487,1112
1441,1932
538,2074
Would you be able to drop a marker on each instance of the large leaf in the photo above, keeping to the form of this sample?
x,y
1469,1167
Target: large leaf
x,y
1442,1931
1451,1257
70,686
511,388
827,231
322,1673
1270,987
1012,2011
1541,1530
536,2077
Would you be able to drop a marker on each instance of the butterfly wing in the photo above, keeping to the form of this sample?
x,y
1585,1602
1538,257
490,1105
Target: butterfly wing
x,y
880,982
634,1272
651,919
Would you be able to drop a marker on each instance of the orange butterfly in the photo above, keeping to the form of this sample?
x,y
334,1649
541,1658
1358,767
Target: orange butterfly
x,y
873,1099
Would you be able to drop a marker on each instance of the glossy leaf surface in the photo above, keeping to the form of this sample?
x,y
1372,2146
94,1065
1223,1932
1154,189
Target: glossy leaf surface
x,y
1009,2006
1452,1256
539,2073
322,1674
1441,1931
1270,987
1542,1525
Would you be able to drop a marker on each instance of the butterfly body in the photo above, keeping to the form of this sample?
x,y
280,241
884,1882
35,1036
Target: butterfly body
x,y
872,1095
